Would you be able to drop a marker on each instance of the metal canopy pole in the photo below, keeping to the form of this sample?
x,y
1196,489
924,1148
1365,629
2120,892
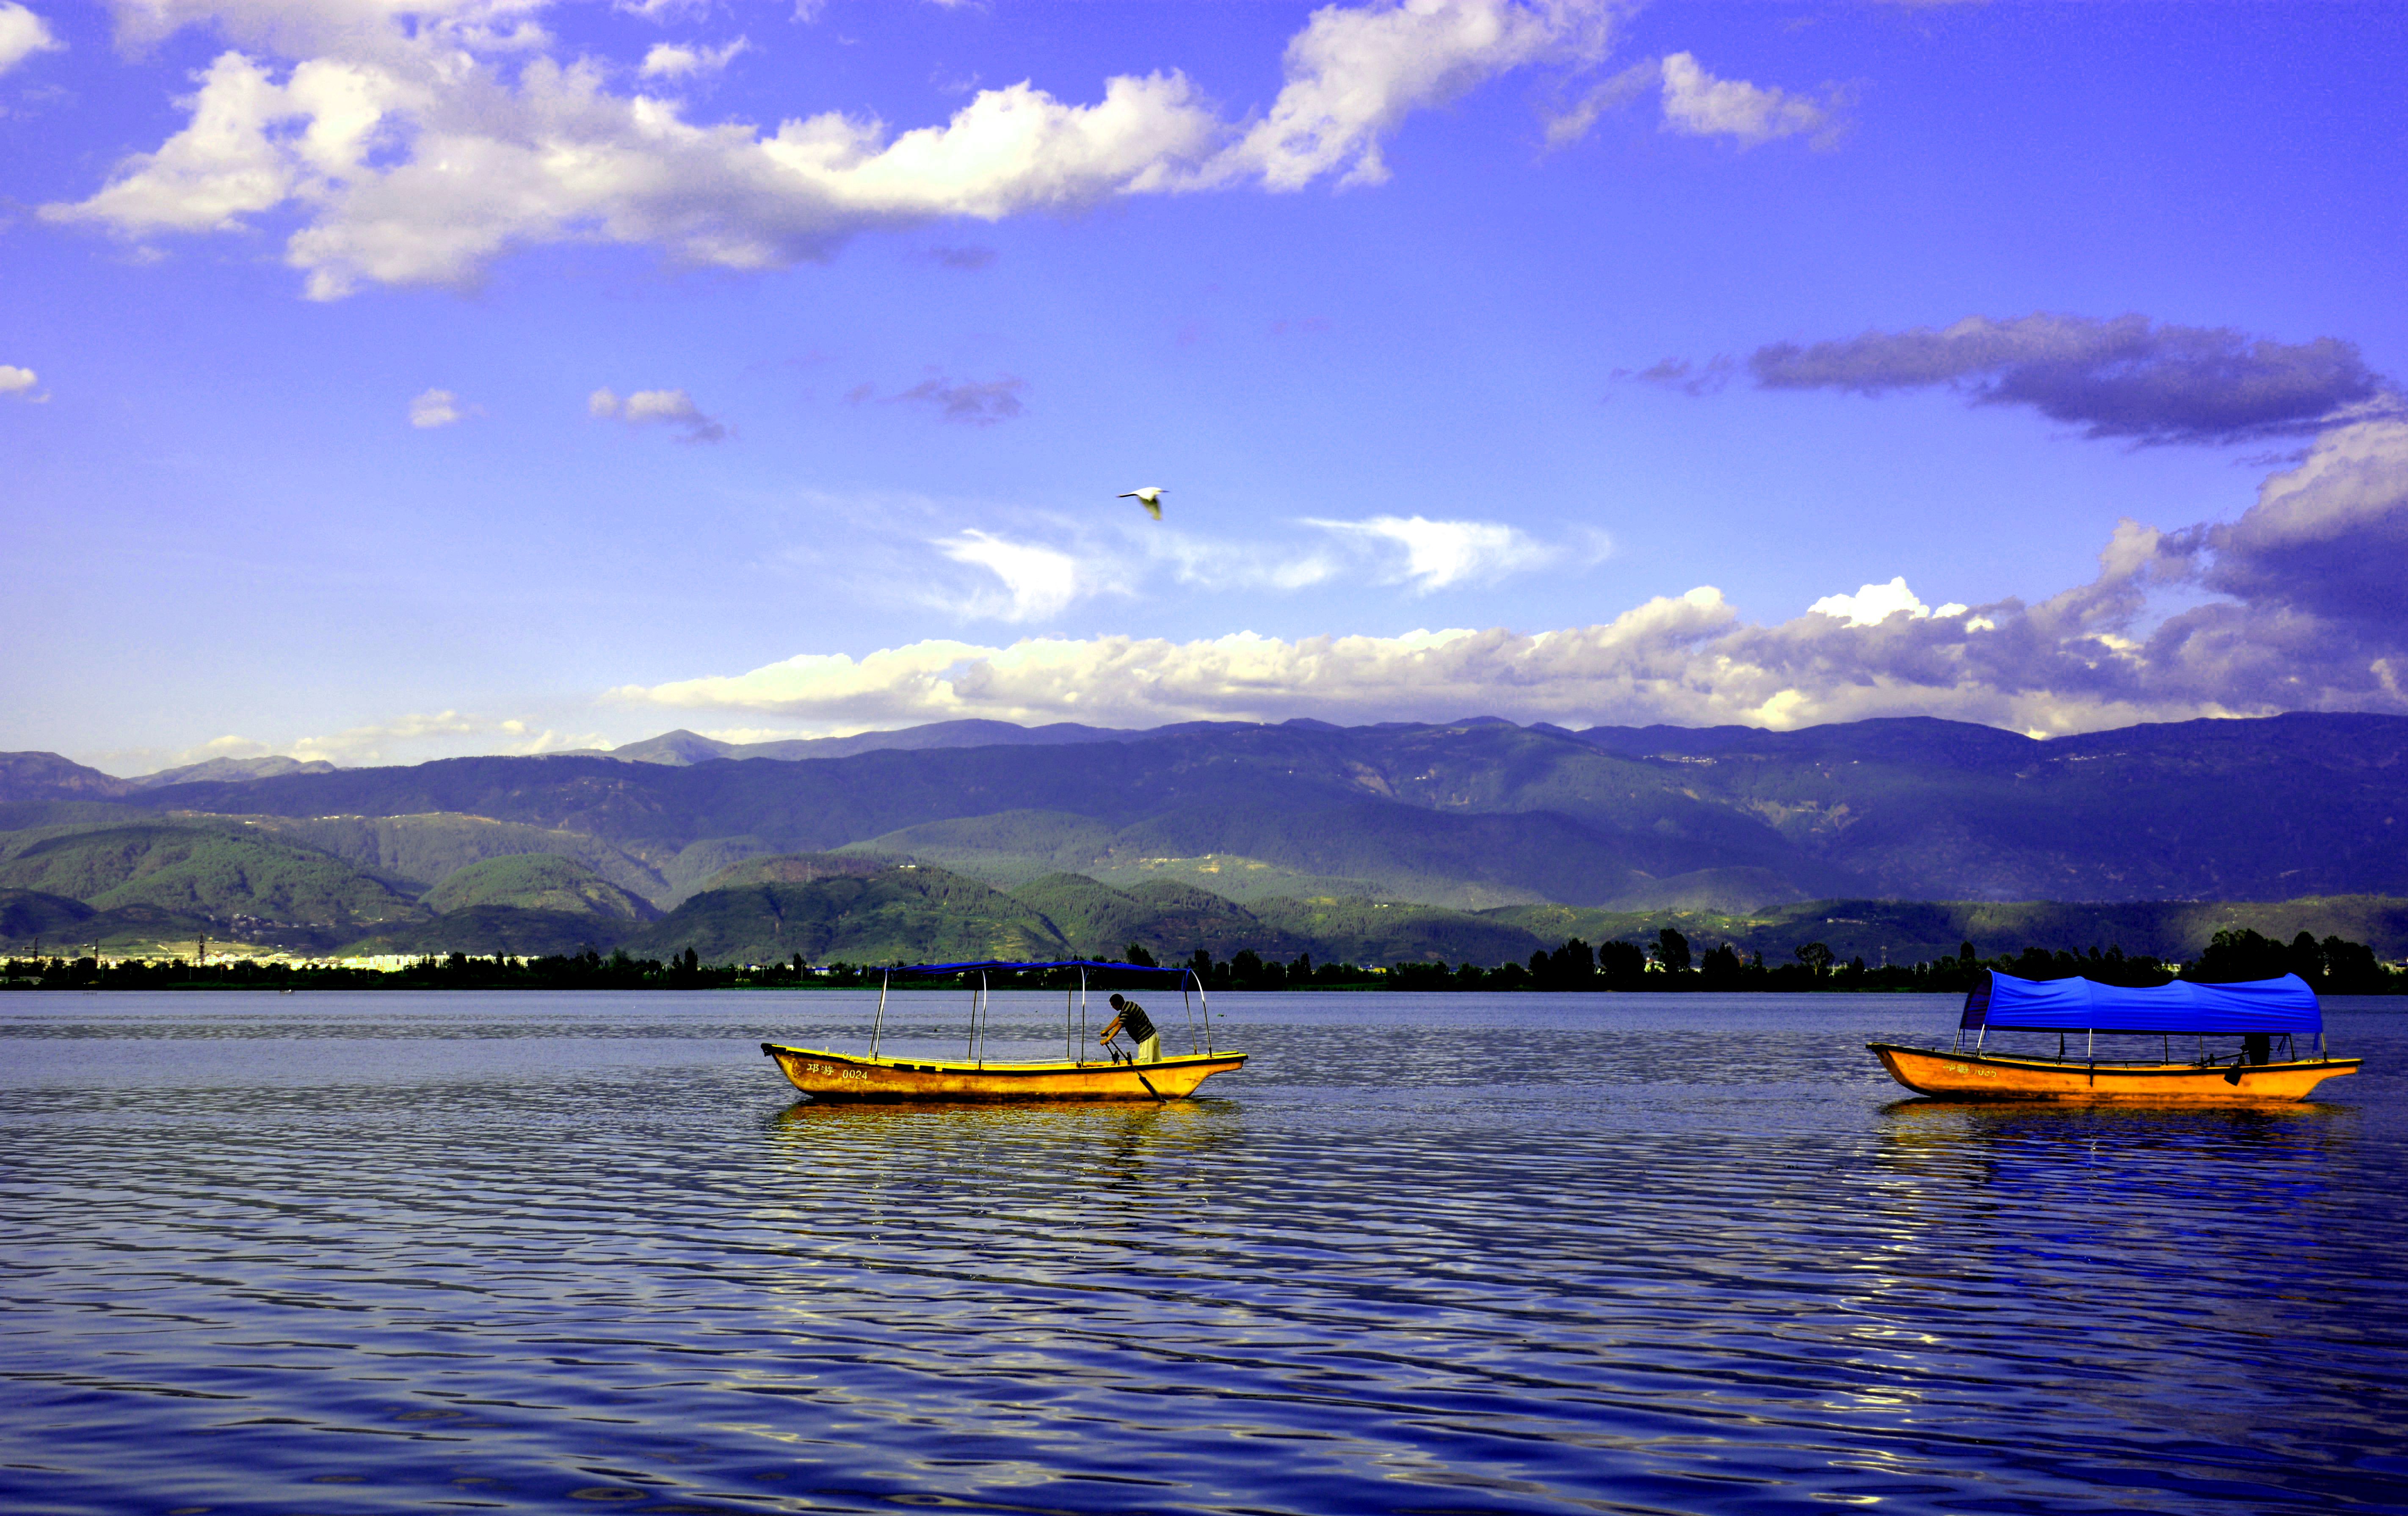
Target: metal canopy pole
x,y
1189,1006
970,1050
1205,999
1081,1056
986,1009
879,1024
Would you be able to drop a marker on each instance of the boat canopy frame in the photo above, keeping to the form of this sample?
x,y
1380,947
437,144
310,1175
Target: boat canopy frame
x,y
1199,1036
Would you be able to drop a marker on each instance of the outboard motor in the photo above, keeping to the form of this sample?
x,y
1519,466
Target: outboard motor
x,y
1131,1017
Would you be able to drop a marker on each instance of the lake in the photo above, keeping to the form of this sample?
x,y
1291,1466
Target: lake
x,y
372,1253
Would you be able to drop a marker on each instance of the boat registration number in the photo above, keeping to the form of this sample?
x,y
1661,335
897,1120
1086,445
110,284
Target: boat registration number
x,y
837,1071
1962,1068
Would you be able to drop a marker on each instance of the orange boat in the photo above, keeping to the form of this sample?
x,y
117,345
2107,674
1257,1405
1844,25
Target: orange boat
x,y
1138,1072
2256,1013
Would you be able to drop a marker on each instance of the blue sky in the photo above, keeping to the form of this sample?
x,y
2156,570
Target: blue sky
x,y
380,380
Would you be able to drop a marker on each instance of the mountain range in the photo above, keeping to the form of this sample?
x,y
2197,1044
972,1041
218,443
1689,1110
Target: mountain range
x,y
1301,836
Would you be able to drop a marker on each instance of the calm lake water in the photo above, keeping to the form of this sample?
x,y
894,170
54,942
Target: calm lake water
x,y
362,1253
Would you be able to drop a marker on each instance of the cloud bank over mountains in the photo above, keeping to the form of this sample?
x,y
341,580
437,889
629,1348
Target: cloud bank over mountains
x,y
2294,633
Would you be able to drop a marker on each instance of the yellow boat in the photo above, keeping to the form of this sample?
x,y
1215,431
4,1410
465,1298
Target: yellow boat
x,y
841,1075
1956,1076
1138,1072
2257,1014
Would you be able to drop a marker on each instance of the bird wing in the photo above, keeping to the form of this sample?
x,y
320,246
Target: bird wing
x,y
1154,509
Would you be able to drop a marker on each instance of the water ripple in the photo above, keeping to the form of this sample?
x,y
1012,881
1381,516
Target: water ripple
x,y
361,1253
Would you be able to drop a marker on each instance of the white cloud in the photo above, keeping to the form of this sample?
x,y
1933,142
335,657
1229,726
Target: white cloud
x,y
1039,583
437,408
18,384
669,59
1251,564
1355,73
23,34
1697,103
661,12
1877,603
418,142
1568,126
672,407
1436,555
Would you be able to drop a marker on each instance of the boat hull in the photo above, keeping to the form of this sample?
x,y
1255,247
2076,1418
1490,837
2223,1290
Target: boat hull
x,y
842,1076
1956,1076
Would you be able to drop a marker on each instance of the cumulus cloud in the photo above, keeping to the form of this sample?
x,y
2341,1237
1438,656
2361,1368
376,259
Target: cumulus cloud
x,y
18,384
2328,538
1355,74
2299,614
670,59
1697,104
1877,603
1039,583
437,408
971,402
2124,378
23,34
415,143
1436,555
674,409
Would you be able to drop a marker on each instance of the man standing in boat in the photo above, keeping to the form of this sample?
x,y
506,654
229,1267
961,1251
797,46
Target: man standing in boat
x,y
1131,1017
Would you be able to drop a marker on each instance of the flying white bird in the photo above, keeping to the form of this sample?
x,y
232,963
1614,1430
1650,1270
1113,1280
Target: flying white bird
x,y
1150,497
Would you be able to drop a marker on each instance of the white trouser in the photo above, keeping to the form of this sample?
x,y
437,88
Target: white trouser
x,y
1149,1050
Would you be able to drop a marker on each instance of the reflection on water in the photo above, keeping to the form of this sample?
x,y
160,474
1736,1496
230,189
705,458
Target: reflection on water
x,y
1533,1253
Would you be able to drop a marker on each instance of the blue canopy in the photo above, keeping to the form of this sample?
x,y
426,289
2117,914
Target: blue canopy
x,y
2283,1005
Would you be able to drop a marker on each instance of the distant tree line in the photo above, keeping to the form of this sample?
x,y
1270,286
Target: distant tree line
x,y
2334,965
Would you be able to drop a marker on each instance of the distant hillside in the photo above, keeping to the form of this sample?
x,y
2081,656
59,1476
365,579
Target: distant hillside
x,y
794,868
205,873
907,913
45,776
1474,815
1097,921
892,915
489,930
231,768
544,883
29,915
681,748
429,848
1012,848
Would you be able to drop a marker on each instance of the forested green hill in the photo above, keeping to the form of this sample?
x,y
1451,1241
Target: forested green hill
x,y
208,873
537,881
